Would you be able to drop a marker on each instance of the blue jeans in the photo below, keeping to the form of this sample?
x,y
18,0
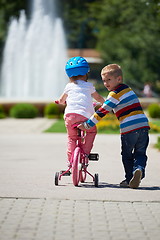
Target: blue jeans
x,y
134,145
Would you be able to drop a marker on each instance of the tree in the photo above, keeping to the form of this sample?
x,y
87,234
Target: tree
x,y
78,23
129,33
8,9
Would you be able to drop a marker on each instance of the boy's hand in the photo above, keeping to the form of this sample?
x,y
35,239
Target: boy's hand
x,y
81,126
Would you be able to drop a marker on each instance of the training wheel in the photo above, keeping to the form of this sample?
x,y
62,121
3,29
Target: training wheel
x,y
56,178
96,180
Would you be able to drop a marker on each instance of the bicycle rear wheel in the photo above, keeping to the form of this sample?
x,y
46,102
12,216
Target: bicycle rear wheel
x,y
75,167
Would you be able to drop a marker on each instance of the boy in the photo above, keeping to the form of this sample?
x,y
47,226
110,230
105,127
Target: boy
x,y
133,124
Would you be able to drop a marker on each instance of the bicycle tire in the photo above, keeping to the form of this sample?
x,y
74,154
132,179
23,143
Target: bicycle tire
x,y
75,167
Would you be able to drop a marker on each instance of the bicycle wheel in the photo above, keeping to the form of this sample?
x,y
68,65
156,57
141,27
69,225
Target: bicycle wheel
x,y
75,167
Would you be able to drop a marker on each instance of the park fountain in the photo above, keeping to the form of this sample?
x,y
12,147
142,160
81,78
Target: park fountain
x,y
34,55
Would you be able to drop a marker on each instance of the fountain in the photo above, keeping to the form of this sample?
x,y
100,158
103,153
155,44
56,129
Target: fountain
x,y
35,55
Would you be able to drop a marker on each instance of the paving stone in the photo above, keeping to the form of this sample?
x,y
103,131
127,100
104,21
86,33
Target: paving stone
x,y
37,221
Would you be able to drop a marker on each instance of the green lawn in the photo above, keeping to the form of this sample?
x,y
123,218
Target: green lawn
x,y
59,127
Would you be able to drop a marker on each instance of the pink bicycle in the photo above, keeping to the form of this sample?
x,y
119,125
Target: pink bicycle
x,y
79,164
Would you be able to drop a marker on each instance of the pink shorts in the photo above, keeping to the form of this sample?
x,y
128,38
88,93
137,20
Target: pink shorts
x,y
73,118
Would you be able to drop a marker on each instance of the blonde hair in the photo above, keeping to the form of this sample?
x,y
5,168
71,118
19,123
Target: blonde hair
x,y
75,78
113,69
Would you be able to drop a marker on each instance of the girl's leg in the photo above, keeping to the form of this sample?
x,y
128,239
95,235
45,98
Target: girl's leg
x,y
71,119
72,134
89,139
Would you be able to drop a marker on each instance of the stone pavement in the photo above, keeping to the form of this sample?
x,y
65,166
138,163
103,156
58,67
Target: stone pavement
x,y
33,208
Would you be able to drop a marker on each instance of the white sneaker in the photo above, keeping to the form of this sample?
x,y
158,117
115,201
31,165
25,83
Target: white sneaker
x,y
136,179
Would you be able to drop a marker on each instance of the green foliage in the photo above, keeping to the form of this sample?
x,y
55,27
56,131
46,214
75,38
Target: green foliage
x,y
123,37
23,110
52,110
154,110
79,24
157,145
8,9
125,32
2,113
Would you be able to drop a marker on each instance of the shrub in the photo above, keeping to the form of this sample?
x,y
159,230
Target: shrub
x,y
2,113
52,110
157,145
108,124
23,110
154,110
154,128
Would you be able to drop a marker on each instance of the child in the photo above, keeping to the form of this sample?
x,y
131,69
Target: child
x,y
78,97
133,124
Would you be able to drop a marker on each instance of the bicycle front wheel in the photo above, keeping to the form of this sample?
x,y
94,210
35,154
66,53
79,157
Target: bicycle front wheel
x,y
82,175
75,166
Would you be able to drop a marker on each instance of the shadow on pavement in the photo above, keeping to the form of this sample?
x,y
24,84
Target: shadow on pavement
x,y
110,185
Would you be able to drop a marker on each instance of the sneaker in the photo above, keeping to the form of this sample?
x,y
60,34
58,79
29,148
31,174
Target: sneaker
x,y
124,183
136,179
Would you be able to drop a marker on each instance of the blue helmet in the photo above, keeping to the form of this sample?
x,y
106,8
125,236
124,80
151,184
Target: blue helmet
x,y
77,66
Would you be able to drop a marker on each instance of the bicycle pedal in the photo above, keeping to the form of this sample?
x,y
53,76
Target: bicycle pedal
x,y
93,156
65,174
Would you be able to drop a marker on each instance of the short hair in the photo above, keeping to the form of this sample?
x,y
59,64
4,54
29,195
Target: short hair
x,y
113,69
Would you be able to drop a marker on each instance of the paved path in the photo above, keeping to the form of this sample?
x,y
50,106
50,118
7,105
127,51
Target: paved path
x,y
32,208
24,126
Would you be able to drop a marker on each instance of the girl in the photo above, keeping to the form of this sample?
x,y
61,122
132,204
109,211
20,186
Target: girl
x,y
78,95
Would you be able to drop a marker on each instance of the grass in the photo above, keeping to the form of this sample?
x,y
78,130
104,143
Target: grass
x,y
57,127
109,126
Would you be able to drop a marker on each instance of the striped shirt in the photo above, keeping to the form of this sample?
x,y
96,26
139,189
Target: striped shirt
x,y
126,106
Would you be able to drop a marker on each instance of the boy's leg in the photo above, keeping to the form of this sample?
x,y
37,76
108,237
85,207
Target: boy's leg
x,y
128,142
134,157
140,157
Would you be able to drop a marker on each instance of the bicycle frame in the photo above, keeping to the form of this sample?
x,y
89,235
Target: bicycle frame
x,y
83,162
79,161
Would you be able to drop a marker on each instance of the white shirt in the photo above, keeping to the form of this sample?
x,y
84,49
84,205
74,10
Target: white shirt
x,y
79,98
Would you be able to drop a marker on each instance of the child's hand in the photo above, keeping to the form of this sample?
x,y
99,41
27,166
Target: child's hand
x,y
58,102
81,126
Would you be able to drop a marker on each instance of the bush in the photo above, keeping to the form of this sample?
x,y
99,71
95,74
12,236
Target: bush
x,y
23,110
2,113
52,110
154,110
157,145
109,124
